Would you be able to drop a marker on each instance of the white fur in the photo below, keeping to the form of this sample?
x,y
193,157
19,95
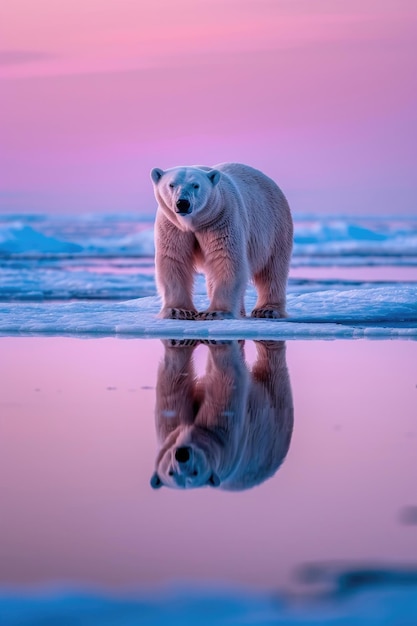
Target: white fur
x,y
238,227
235,423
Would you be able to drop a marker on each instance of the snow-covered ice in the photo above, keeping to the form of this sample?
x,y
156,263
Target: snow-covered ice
x,y
389,311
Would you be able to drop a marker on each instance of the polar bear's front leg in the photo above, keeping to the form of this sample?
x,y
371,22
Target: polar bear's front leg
x,y
174,271
175,388
175,284
227,273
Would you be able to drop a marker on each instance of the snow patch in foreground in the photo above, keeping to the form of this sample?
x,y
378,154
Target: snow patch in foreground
x,y
389,311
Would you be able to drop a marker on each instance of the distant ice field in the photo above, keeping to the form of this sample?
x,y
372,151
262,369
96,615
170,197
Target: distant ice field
x,y
95,274
107,236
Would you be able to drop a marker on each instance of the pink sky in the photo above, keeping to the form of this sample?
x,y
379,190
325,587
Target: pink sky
x,y
320,95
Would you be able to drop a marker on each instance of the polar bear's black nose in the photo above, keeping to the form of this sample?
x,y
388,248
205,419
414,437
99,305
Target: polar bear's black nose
x,y
183,205
182,455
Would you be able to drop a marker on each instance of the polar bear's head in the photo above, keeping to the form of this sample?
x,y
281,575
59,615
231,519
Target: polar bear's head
x,y
184,191
185,466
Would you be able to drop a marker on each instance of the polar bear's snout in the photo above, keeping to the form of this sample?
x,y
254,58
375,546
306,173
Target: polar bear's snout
x,y
182,455
183,206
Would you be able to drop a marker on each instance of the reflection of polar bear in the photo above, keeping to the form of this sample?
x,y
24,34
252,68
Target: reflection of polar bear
x,y
232,427
231,222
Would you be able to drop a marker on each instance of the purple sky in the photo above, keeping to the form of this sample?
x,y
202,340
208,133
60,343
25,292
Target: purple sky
x,y
320,95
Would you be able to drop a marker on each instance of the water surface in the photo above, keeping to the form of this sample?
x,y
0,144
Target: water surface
x,y
79,445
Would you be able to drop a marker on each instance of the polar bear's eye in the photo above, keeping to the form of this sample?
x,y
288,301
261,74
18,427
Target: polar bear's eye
x,y
172,185
196,186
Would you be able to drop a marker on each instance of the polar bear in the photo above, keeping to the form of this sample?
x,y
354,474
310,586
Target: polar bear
x,y
230,428
230,222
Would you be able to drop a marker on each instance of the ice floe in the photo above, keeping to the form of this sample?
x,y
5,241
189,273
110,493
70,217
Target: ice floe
x,y
389,311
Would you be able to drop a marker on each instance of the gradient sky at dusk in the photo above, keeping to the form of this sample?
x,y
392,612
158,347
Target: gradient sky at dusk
x,y
320,94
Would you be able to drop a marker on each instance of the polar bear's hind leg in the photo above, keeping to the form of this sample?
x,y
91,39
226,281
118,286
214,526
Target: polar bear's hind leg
x,y
271,286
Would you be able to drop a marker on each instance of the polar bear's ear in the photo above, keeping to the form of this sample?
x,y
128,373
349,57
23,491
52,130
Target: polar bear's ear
x,y
214,480
156,174
214,177
156,482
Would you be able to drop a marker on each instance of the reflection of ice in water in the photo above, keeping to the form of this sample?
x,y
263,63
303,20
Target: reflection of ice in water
x,y
384,597
230,427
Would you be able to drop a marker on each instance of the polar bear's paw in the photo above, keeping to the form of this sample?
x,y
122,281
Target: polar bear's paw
x,y
268,313
180,343
178,314
214,315
216,342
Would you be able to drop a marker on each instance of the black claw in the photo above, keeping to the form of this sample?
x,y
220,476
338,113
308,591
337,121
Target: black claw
x,y
264,313
182,314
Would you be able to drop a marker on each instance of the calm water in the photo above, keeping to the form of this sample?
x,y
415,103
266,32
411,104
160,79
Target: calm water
x,y
82,422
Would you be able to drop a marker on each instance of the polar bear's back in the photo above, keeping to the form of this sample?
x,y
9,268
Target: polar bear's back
x,y
243,173
266,207
261,195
